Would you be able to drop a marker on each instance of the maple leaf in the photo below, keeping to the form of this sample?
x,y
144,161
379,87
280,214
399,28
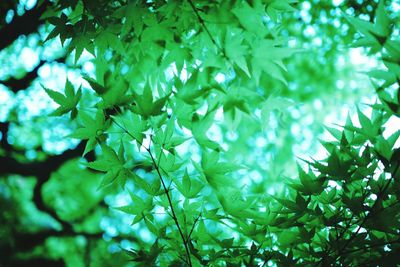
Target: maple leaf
x,y
79,43
189,187
236,51
113,92
62,28
146,106
215,172
67,102
139,207
92,129
200,126
112,164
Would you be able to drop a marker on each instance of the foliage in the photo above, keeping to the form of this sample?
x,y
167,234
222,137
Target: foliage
x,y
168,74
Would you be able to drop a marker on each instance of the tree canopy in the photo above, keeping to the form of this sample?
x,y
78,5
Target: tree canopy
x,y
199,133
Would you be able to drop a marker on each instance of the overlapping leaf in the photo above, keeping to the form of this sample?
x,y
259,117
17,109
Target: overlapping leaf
x,y
67,102
92,129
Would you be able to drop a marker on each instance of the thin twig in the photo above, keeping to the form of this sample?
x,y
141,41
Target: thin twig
x,y
204,26
166,190
174,217
267,259
372,246
191,230
354,235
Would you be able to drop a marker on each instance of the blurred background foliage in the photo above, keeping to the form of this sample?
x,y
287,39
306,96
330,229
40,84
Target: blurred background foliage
x,y
51,213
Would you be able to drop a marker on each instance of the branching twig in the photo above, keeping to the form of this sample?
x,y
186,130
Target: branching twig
x,y
372,246
204,26
379,197
174,217
191,230
166,190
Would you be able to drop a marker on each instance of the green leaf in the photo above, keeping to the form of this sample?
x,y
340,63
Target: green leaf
x,y
328,197
235,50
383,147
366,124
145,105
67,102
112,165
387,76
200,126
274,7
267,57
190,187
337,134
354,203
98,88
382,23
139,207
290,205
310,183
133,123
216,172
153,188
289,237
250,19
92,130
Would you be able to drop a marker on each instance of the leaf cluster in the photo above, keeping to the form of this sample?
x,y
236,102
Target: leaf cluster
x,y
147,109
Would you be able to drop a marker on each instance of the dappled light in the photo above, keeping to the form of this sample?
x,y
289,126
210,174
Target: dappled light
x,y
199,133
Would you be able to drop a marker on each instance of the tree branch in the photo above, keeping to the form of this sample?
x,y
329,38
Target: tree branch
x,y
20,84
4,127
22,25
28,241
36,262
25,242
40,169
396,241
